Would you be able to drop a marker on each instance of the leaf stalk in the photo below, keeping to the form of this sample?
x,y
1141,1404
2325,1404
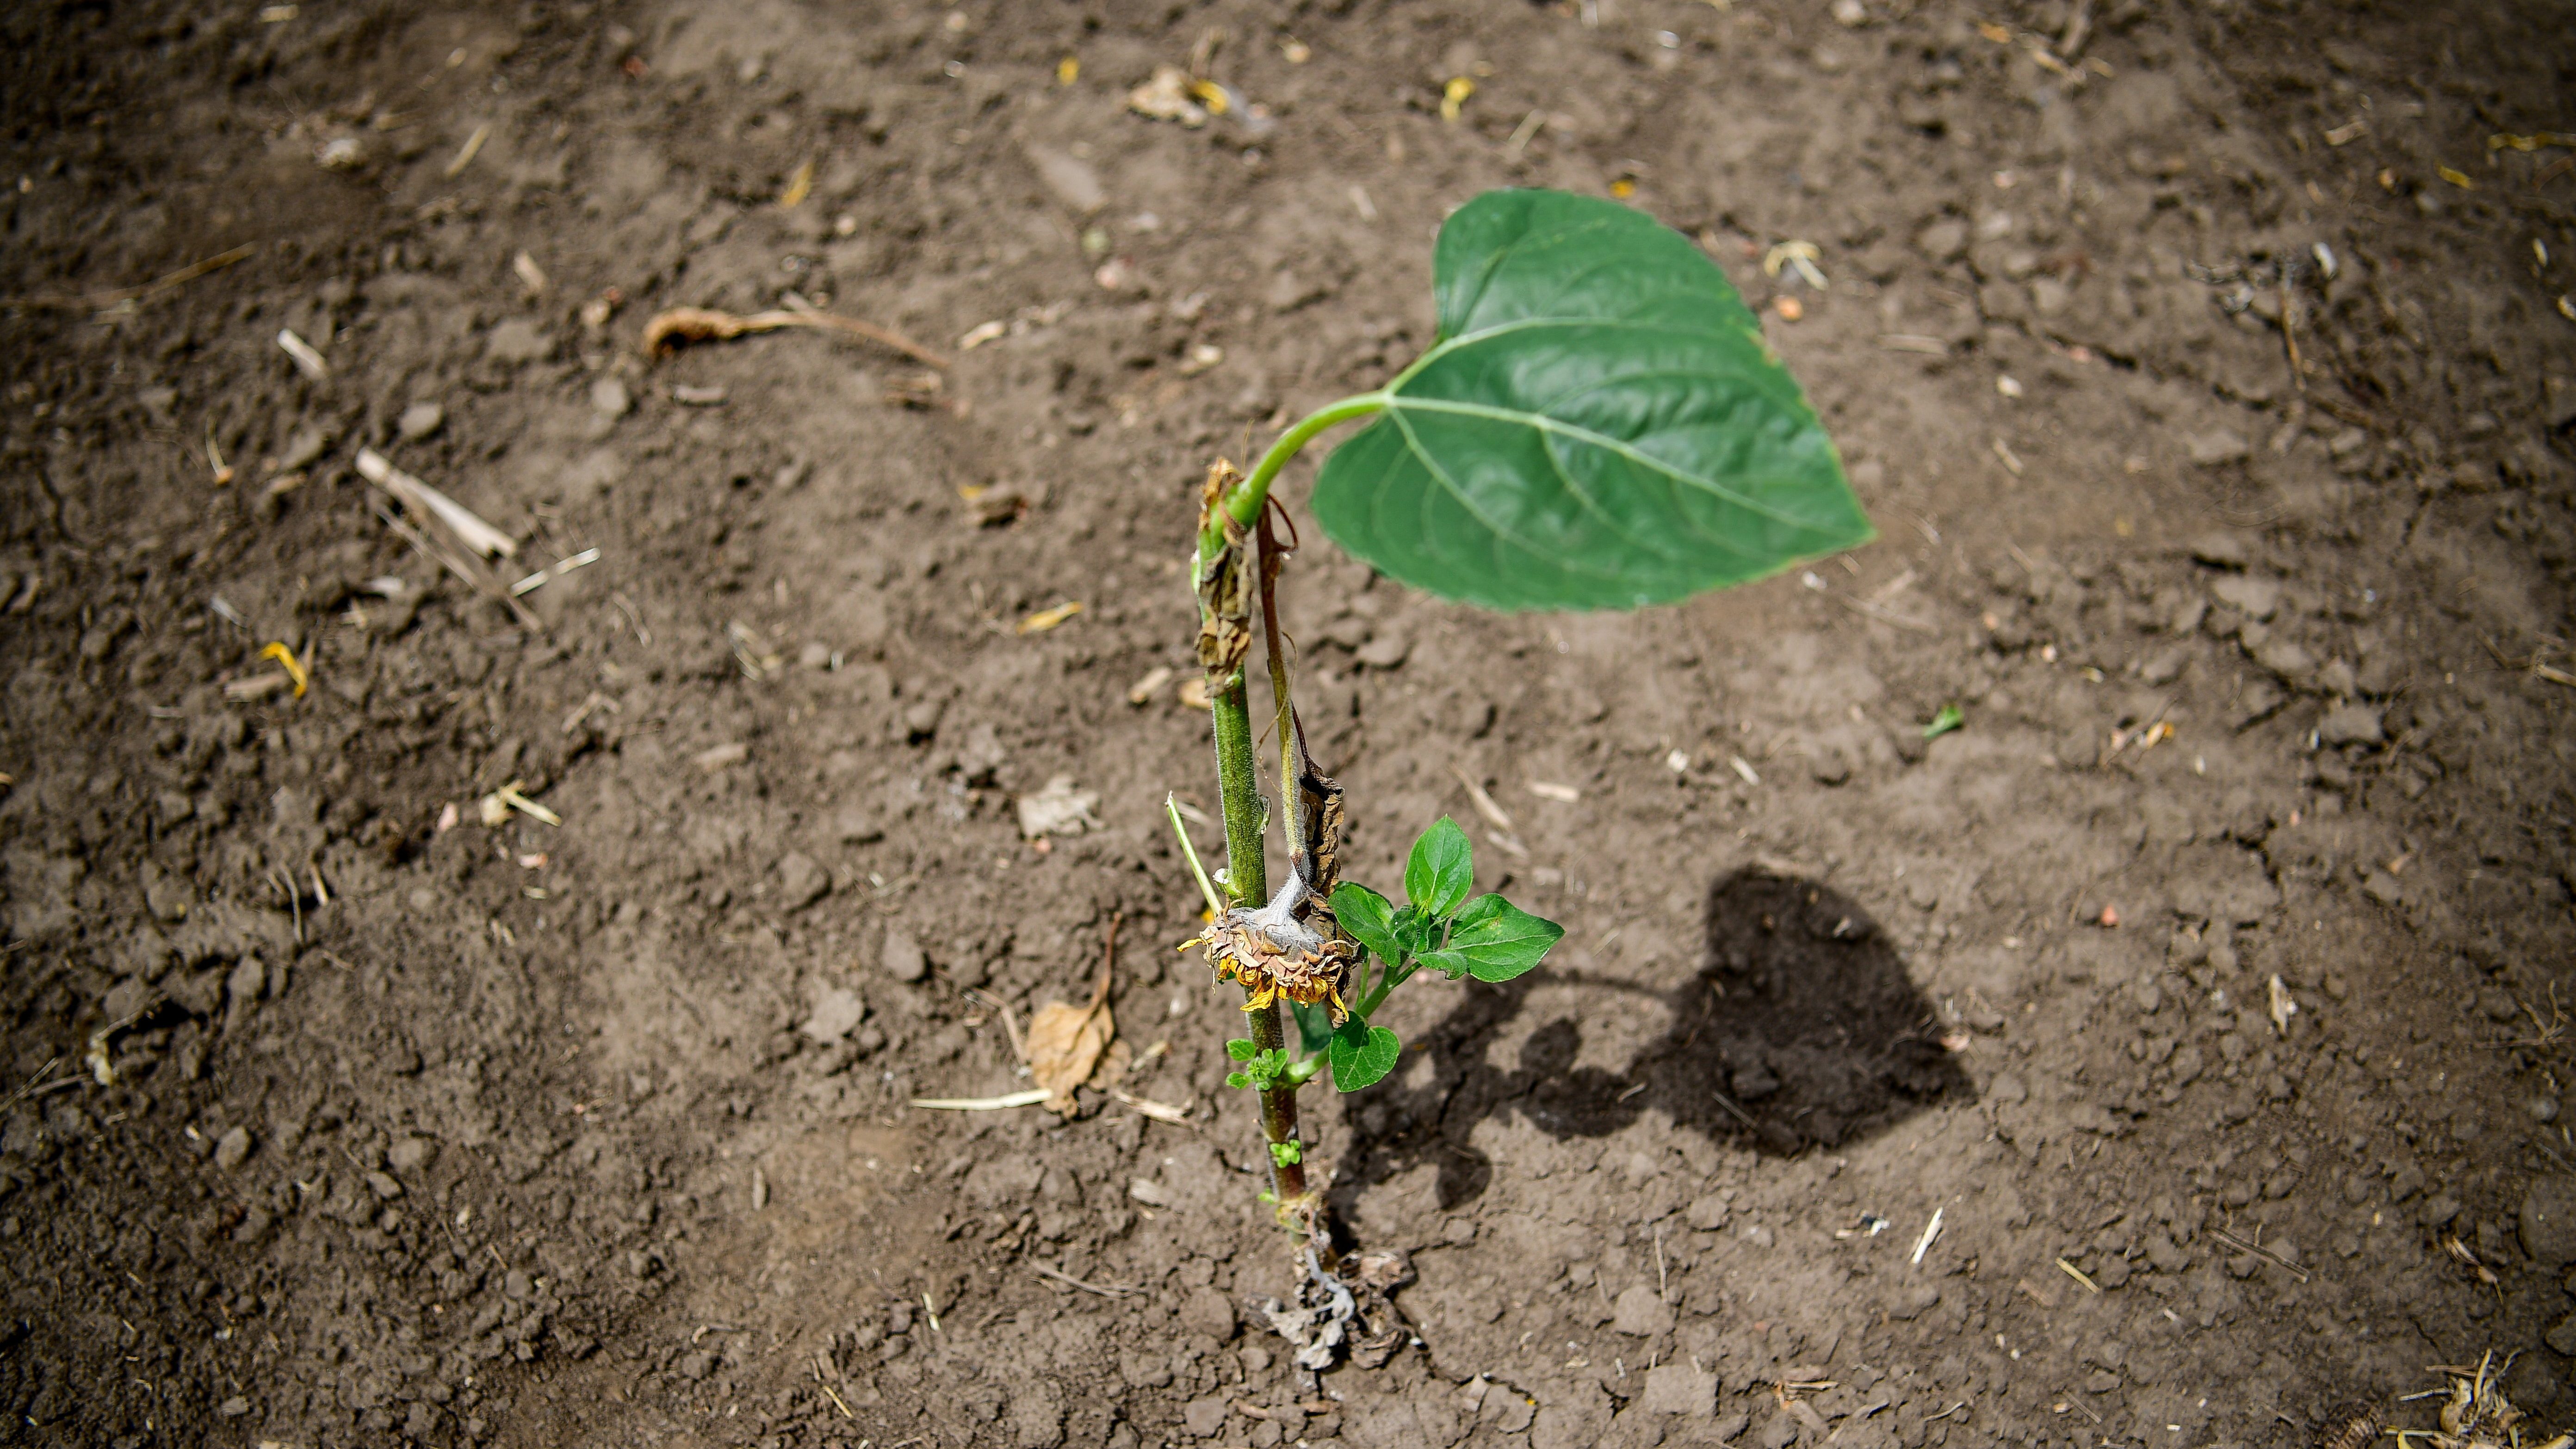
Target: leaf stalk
x,y
1243,502
1190,853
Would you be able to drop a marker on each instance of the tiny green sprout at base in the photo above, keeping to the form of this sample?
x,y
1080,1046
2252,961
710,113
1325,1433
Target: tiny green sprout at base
x,y
1597,424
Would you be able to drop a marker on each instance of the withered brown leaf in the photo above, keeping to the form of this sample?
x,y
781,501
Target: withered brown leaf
x,y
1066,1042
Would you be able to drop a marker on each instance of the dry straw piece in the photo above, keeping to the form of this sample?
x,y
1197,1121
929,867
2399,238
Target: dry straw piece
x,y
668,331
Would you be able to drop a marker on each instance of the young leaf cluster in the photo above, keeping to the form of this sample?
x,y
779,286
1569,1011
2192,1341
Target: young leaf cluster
x,y
1264,1070
1439,926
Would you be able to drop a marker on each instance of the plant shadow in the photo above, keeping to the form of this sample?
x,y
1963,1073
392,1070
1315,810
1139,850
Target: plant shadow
x,y
1800,1029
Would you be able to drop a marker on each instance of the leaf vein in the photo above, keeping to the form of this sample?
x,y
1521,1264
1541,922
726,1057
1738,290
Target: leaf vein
x,y
1543,423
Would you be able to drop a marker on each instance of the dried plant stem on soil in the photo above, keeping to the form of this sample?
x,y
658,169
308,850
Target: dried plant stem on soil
x,y
122,295
668,330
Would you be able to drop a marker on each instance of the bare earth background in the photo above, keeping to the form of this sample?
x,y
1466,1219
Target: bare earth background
x,y
596,1134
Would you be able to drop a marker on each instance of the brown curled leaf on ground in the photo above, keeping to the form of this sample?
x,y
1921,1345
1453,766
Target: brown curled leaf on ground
x,y
669,331
1115,1062
1066,1043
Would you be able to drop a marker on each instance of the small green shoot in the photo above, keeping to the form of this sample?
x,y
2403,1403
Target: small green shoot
x,y
1261,1069
1947,720
1486,937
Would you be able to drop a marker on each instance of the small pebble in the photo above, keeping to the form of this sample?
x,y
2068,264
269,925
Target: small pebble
x,y
1387,651
801,881
1641,1313
420,420
2216,447
902,958
2547,1221
517,341
610,399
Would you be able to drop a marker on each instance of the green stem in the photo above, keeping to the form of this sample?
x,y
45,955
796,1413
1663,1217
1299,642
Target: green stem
x,y
1239,790
1239,779
1247,879
1243,503
1389,978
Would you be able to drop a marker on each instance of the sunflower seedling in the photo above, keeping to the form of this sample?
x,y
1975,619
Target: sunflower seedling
x,y
1598,424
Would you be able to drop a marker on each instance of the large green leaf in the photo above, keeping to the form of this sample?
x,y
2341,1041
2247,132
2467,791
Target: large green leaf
x,y
1494,941
1599,425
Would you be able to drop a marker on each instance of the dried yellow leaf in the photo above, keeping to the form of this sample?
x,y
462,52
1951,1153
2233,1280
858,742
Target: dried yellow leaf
x,y
294,667
1453,96
1045,619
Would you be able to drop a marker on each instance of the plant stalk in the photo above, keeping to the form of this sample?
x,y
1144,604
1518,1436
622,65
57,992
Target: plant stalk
x,y
1247,879
1239,790
1243,501
1388,978
1238,776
